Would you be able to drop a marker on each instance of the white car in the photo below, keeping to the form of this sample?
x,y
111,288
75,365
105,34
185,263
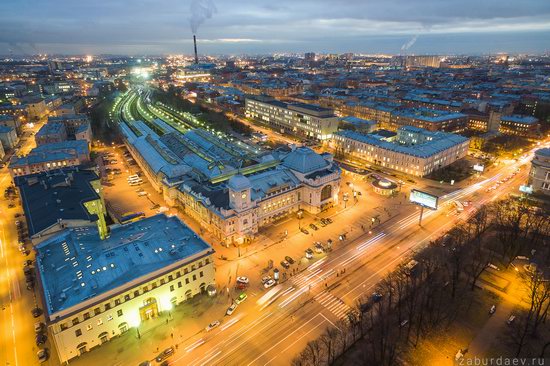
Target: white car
x,y
231,309
243,279
212,325
265,279
269,283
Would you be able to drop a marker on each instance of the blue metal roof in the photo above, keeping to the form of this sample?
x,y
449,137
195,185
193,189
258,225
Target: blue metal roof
x,y
76,265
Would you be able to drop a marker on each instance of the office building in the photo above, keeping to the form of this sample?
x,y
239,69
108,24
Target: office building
x,y
306,120
539,176
8,137
429,119
95,289
415,151
56,200
519,125
50,156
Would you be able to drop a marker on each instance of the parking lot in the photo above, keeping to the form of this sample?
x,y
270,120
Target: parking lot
x,y
123,199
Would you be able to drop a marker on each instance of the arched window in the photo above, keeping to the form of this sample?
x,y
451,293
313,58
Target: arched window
x,y
82,348
326,192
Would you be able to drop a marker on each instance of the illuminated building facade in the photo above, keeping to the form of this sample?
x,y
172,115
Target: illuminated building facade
x,y
95,290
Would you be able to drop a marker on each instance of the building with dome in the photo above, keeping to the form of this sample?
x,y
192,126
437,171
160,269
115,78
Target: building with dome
x,y
230,189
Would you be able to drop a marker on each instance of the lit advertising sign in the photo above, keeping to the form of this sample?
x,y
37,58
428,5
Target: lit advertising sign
x,y
479,168
424,199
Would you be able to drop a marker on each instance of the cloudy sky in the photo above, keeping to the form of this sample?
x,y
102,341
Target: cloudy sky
x,y
261,26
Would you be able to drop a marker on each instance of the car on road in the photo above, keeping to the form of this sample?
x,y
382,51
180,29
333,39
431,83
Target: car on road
x,y
304,230
211,326
241,298
43,355
314,227
269,283
403,323
41,339
231,309
36,312
165,354
285,264
242,279
309,253
511,319
493,309
289,259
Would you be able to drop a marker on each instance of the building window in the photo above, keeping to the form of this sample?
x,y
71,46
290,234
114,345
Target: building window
x,y
162,281
63,326
126,297
194,277
171,287
86,316
170,278
201,274
75,321
97,311
119,312
136,293
78,332
179,284
145,289
89,327
187,281
107,307
99,321
117,302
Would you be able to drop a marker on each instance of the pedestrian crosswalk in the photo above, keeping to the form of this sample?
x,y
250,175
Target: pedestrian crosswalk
x,y
333,304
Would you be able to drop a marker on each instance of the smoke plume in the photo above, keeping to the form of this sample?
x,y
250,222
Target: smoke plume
x,y
410,43
200,11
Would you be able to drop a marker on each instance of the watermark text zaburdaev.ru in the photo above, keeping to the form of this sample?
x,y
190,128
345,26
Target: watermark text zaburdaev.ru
x,y
502,361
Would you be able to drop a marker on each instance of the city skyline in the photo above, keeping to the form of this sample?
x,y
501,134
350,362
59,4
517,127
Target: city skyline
x,y
141,27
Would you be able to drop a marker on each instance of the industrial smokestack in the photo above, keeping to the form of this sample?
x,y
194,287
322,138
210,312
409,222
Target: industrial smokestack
x,y
195,43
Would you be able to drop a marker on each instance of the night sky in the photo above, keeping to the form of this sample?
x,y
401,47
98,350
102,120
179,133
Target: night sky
x,y
260,26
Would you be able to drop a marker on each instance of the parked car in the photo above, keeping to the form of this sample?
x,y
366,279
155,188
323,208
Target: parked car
x,y
43,355
309,253
211,326
242,279
493,309
304,230
39,327
269,283
265,279
318,247
329,220
41,339
314,227
36,312
165,354
285,264
231,309
289,259
511,319
145,363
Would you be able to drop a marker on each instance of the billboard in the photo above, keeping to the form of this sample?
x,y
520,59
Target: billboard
x,y
479,168
424,199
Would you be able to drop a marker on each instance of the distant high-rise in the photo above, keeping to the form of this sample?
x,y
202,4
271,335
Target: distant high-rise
x,y
310,56
423,61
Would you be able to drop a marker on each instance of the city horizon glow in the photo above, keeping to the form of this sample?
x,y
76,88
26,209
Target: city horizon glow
x,y
394,27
